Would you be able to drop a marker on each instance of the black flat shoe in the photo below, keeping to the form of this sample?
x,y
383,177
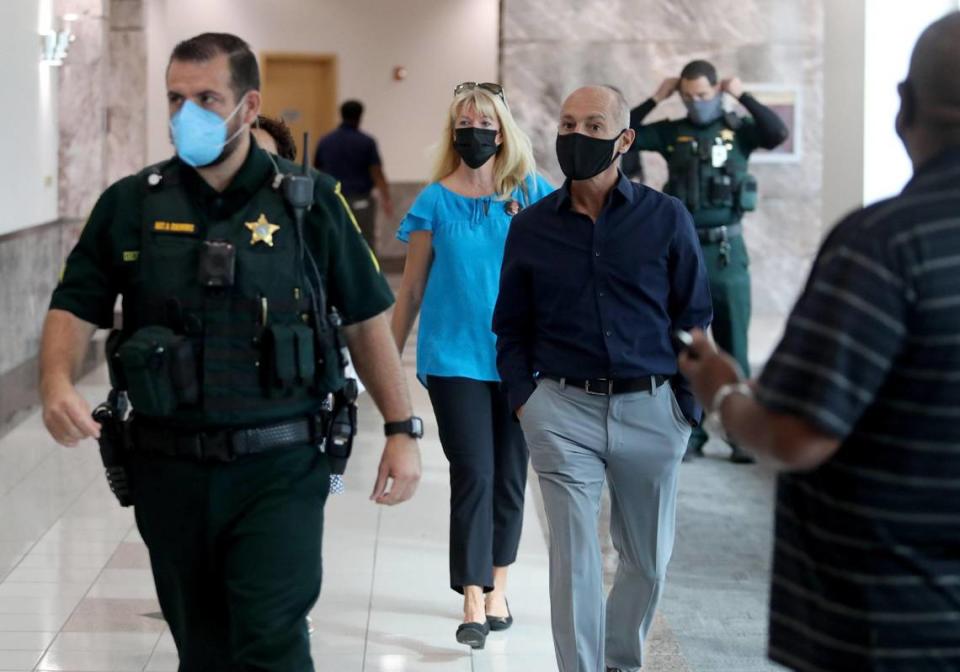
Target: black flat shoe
x,y
473,635
500,623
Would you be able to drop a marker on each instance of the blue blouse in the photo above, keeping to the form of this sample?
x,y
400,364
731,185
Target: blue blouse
x,y
455,337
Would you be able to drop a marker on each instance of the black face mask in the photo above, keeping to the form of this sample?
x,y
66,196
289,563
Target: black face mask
x,y
475,145
582,157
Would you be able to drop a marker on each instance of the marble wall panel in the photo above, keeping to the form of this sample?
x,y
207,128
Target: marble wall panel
x,y
126,15
126,146
102,102
31,262
82,102
550,48
82,110
728,21
84,8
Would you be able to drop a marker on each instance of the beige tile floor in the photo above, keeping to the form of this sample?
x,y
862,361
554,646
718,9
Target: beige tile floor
x,y
76,592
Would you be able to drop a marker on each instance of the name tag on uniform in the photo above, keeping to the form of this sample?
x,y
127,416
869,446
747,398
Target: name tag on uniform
x,y
175,227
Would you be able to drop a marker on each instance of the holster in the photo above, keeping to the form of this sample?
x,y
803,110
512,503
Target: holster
x,y
115,445
341,426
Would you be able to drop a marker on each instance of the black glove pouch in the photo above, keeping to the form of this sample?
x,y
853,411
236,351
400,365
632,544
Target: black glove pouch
x,y
160,371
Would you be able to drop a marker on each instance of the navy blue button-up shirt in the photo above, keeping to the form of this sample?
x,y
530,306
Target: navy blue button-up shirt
x,y
599,300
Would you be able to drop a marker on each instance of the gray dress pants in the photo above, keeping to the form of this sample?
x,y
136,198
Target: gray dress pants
x,y
636,442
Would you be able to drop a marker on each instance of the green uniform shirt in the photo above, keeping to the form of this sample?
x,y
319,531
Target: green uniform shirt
x,y
99,266
104,262
710,199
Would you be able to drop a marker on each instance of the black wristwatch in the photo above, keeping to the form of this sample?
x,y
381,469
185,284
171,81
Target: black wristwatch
x,y
412,426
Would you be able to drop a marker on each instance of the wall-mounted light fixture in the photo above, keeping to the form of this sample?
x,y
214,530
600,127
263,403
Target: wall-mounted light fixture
x,y
55,43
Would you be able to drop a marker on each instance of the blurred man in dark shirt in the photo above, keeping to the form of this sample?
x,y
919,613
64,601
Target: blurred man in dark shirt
x,y
351,156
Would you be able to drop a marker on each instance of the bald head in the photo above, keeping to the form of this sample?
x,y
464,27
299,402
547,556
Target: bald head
x,y
604,101
933,79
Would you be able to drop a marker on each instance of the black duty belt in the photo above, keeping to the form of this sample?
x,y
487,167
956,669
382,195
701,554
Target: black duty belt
x,y
608,386
221,445
718,234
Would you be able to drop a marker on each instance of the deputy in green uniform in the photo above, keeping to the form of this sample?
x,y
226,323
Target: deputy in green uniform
x,y
226,355
707,154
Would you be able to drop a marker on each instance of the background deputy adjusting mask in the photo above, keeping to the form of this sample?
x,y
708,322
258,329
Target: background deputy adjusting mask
x,y
200,135
475,145
703,112
582,157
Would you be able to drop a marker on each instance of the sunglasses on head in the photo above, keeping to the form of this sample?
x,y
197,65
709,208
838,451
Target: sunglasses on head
x,y
492,87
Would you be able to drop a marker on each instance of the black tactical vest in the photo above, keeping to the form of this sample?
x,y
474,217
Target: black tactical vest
x,y
256,354
710,188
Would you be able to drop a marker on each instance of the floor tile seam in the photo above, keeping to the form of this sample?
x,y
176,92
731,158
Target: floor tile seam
x,y
373,579
92,583
153,651
50,453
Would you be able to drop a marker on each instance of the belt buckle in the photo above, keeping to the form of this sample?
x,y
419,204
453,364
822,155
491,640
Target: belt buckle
x,y
604,393
216,446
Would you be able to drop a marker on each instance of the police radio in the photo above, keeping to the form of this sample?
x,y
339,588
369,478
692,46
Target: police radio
x,y
339,414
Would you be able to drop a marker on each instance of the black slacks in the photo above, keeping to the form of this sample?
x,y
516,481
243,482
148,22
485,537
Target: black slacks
x,y
235,552
488,475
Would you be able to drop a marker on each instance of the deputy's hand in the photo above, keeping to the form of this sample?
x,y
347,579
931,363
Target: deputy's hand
x,y
667,89
707,368
66,415
400,468
519,411
733,86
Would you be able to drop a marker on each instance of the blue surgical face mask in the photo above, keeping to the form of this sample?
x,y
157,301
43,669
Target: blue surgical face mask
x,y
703,112
200,135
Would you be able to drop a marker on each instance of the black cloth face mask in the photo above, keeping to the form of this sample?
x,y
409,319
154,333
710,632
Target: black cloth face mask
x,y
475,145
582,157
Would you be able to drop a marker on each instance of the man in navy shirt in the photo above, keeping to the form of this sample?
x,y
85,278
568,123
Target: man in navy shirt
x,y
595,277
351,156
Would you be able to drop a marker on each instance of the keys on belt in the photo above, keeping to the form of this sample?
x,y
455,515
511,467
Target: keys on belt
x,y
718,234
722,235
605,387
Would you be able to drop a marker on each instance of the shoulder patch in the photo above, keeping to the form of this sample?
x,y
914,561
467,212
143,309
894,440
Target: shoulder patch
x,y
353,219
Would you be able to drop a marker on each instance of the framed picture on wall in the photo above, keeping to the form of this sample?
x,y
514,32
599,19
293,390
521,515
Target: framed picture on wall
x,y
787,101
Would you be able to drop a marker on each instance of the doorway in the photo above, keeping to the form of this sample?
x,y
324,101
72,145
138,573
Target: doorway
x,y
301,89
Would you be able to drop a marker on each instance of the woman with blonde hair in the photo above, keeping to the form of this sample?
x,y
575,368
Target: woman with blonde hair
x,y
456,230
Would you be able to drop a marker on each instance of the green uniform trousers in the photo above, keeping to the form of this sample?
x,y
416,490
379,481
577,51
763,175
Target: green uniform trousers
x,y
235,551
730,290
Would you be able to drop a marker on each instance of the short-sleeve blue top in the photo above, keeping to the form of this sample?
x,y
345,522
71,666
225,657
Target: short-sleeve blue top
x,y
455,338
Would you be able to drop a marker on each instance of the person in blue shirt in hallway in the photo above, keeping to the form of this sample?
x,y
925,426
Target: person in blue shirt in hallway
x,y
595,278
456,228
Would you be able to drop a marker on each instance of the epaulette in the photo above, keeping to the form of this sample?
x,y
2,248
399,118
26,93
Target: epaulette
x,y
162,173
